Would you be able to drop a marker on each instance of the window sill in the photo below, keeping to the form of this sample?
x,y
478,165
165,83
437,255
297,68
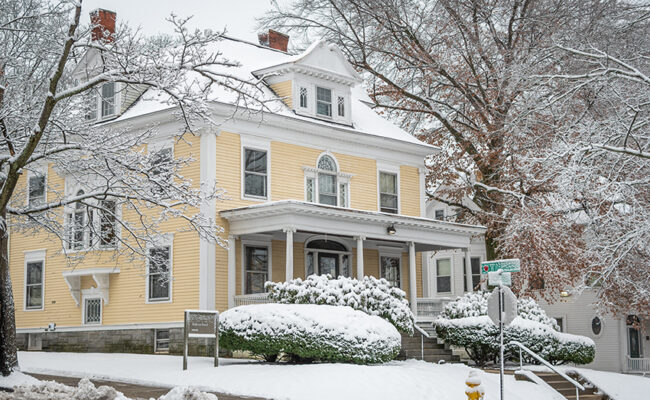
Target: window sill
x,y
33,309
255,198
158,301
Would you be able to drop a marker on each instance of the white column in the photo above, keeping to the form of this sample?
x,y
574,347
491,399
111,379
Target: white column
x,y
289,255
468,270
232,270
413,290
360,273
208,208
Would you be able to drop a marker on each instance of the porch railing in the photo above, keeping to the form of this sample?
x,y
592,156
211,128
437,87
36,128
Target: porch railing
x,y
427,309
246,299
641,365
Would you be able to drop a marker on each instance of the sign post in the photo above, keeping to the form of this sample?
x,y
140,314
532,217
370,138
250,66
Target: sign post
x,y
201,324
502,303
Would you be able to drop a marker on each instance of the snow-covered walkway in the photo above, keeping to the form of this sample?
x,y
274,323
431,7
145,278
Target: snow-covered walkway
x,y
411,379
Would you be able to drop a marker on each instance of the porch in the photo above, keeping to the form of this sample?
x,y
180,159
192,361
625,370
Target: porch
x,y
292,239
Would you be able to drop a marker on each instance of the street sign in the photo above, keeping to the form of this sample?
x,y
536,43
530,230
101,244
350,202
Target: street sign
x,y
499,278
511,265
509,306
201,324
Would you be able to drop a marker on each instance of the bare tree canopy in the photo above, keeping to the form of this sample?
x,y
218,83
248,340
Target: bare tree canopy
x,y
541,110
52,70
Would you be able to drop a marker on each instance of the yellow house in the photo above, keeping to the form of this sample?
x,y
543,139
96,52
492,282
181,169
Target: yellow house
x,y
322,185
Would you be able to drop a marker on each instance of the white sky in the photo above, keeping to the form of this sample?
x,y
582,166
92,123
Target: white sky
x,y
238,16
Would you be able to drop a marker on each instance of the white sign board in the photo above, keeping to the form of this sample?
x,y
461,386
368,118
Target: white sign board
x,y
499,278
509,306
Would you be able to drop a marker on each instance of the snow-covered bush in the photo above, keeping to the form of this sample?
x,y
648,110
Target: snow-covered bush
x,y
308,332
464,322
370,295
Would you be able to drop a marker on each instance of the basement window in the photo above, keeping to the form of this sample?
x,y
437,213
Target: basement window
x,y
162,341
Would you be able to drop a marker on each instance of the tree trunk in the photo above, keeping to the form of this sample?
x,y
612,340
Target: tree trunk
x,y
490,248
8,353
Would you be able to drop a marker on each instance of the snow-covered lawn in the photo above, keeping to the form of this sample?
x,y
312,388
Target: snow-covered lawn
x,y
411,379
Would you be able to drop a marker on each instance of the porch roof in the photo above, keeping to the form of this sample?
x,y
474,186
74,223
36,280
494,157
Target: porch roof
x,y
427,234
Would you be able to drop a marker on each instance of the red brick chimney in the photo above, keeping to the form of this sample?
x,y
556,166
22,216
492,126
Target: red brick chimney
x,y
274,40
103,25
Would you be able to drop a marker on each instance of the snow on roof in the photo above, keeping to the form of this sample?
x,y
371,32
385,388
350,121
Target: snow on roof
x,y
252,57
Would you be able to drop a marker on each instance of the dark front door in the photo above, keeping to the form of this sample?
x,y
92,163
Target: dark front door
x,y
328,263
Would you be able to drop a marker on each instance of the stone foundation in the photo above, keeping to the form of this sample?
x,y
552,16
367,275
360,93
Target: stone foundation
x,y
114,341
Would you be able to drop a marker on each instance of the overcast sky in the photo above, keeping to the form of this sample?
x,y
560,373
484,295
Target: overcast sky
x,y
237,16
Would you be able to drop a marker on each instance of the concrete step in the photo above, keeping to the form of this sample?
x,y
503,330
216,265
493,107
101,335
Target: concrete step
x,y
418,353
566,388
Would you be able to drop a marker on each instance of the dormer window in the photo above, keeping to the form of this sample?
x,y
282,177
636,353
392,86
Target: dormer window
x,y
303,97
108,99
323,102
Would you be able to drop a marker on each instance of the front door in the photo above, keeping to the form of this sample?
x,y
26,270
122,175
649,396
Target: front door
x,y
328,263
634,340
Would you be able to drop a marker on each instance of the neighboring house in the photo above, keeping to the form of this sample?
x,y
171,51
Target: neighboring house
x,y
322,185
620,343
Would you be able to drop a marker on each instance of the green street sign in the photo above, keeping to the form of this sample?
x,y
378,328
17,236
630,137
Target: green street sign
x,y
511,265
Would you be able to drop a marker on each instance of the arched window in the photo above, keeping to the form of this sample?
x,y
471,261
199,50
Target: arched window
x,y
324,256
325,184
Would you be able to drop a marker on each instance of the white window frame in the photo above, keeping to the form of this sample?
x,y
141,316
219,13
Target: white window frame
x,y
260,144
100,99
442,210
389,169
167,241
91,294
30,257
393,252
342,178
331,103
155,341
256,242
449,257
39,171
480,260
397,210
71,211
98,228
156,146
306,90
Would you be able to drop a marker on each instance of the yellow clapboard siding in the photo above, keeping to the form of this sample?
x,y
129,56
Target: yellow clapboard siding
x,y
283,90
409,191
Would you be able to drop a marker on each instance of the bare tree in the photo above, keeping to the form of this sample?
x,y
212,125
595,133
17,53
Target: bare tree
x,y
531,116
47,89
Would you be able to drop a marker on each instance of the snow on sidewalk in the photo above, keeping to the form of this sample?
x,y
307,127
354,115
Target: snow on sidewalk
x,y
410,379
616,386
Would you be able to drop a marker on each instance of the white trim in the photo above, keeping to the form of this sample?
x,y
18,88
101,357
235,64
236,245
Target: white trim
x,y
208,209
162,243
449,257
30,257
91,294
38,170
257,242
81,328
422,174
253,142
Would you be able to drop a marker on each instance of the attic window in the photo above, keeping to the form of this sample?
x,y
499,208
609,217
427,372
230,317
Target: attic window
x,y
341,106
323,101
108,99
303,97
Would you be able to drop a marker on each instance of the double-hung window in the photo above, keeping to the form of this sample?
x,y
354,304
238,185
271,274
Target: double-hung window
x,y
325,184
108,99
388,197
107,228
390,270
76,225
159,274
476,272
255,173
327,181
256,269
439,215
34,285
443,275
323,101
36,190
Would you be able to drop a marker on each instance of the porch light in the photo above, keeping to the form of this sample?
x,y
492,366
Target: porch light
x,y
563,293
391,230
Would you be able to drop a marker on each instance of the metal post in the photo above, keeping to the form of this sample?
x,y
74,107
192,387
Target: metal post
x,y
501,337
185,329
521,361
422,346
577,394
216,341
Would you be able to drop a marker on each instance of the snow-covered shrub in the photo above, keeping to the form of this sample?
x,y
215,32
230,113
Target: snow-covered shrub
x,y
49,390
308,332
464,322
370,295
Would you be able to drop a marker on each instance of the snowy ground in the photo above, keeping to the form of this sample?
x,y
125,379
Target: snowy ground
x,y
616,386
411,379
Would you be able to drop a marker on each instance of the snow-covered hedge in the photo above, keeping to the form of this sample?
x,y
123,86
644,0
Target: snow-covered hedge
x,y
307,332
464,323
370,295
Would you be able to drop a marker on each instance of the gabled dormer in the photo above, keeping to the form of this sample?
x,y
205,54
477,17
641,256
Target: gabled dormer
x,y
317,83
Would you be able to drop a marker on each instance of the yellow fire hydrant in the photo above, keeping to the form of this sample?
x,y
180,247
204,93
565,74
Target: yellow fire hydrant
x,y
474,390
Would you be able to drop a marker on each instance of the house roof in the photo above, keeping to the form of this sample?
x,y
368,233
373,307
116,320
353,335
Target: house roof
x,y
252,59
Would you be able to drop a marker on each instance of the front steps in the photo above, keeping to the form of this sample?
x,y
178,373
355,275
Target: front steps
x,y
566,389
425,348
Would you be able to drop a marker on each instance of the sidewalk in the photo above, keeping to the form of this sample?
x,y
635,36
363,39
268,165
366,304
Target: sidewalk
x,y
130,390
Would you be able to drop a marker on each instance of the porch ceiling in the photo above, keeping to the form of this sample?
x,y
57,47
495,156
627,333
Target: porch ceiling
x,y
426,233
